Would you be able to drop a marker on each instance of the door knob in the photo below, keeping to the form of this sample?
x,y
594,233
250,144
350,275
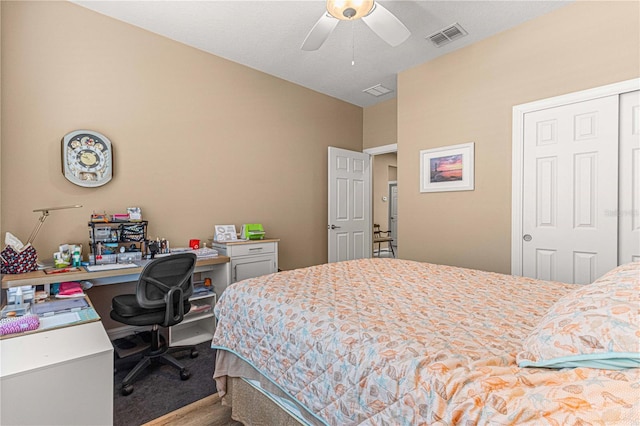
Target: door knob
x,y
333,227
527,237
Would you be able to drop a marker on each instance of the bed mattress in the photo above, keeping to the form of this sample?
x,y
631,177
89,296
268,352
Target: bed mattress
x,y
389,341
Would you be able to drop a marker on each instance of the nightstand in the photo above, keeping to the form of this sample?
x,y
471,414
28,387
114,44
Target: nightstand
x,y
250,258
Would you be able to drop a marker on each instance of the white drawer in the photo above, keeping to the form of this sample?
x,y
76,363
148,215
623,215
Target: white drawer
x,y
251,249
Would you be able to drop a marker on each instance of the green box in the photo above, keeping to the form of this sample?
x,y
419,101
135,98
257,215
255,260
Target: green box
x,y
252,231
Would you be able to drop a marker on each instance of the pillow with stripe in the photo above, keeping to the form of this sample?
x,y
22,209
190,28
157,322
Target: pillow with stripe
x,y
597,326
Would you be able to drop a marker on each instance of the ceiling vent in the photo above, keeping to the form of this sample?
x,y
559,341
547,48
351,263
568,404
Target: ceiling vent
x,y
378,90
447,35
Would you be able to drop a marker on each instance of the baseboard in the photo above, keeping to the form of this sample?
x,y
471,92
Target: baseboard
x,y
176,416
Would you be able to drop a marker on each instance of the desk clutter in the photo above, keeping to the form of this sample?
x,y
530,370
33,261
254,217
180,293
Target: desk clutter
x,y
32,315
248,231
25,304
116,241
121,239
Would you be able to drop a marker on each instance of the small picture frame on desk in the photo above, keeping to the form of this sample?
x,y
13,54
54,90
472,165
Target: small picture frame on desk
x,y
224,233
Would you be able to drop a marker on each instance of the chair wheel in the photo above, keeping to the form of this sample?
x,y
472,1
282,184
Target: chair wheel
x,y
184,375
194,353
126,390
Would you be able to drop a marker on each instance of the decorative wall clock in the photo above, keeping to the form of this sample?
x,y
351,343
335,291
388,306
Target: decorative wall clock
x,y
87,158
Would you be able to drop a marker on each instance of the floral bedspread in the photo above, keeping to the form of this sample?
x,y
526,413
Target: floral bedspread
x,y
397,342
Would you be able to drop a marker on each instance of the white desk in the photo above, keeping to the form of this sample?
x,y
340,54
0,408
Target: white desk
x,y
65,376
57,377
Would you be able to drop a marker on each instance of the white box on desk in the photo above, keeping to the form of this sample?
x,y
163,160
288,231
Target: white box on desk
x,y
106,258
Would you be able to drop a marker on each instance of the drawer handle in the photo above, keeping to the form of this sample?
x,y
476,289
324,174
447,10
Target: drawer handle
x,y
255,248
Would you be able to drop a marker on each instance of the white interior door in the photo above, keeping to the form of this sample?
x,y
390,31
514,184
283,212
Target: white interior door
x,y
393,212
629,209
570,188
349,227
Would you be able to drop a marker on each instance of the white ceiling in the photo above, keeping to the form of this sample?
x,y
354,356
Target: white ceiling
x,y
266,35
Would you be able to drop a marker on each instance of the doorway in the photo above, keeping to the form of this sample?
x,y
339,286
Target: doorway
x,y
384,170
393,211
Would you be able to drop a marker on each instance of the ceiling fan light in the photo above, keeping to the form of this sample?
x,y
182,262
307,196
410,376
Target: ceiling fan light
x,y
348,10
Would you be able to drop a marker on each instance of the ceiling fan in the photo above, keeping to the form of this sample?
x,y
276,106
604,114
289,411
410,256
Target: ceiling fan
x,y
380,20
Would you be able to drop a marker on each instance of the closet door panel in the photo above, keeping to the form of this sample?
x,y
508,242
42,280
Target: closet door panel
x,y
570,184
629,208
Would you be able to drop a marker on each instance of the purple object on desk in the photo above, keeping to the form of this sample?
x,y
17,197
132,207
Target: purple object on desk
x,y
19,324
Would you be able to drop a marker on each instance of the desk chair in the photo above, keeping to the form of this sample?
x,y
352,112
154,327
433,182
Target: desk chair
x,y
161,299
378,238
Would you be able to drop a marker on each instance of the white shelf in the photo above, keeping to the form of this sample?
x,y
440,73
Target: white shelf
x,y
198,327
192,333
196,317
202,296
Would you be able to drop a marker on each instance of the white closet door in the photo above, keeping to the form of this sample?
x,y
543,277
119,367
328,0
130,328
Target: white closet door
x,y
570,187
629,210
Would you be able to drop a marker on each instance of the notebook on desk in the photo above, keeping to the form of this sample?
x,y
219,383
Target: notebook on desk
x,y
110,266
59,306
68,318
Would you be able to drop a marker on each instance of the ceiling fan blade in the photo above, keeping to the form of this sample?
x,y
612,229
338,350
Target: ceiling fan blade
x,y
320,32
386,25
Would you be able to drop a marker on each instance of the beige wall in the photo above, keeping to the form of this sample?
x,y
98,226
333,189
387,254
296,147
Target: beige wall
x,y
380,124
384,168
468,95
198,140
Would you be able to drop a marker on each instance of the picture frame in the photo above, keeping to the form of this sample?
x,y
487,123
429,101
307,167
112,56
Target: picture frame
x,y
223,233
447,168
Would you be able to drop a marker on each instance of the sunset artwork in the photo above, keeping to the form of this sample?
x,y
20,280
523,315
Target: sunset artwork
x,y
446,169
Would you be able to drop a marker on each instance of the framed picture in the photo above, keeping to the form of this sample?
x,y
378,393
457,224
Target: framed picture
x,y
224,233
449,168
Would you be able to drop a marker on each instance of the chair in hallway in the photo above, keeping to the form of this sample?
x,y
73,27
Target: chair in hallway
x,y
380,237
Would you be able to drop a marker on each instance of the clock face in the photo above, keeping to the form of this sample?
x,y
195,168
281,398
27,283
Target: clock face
x,y
87,158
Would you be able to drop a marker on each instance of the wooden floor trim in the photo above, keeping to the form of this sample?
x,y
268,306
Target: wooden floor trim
x,y
181,415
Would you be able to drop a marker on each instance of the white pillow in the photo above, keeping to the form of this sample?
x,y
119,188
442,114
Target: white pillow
x,y
596,325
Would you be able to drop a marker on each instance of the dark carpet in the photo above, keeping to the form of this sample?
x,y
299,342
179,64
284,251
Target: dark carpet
x,y
159,389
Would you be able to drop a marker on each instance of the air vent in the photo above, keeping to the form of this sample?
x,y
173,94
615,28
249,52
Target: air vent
x,y
447,35
378,90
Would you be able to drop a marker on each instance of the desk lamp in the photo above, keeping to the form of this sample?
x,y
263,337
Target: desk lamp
x,y
45,214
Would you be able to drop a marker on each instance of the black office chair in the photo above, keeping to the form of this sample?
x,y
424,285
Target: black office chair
x,y
161,299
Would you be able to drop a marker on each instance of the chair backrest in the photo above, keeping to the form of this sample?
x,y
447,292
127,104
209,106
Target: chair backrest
x,y
166,282
376,230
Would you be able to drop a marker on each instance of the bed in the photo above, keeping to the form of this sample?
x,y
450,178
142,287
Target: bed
x,y
397,342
